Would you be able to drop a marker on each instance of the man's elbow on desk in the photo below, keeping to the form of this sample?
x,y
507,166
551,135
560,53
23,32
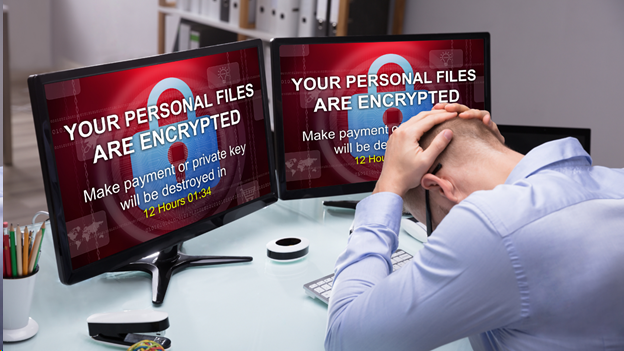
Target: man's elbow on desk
x,y
349,302
338,336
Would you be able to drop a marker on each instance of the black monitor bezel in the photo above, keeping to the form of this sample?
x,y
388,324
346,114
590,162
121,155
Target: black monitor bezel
x,y
563,131
346,189
36,84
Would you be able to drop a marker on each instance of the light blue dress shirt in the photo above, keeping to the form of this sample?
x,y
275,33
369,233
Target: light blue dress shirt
x,y
535,264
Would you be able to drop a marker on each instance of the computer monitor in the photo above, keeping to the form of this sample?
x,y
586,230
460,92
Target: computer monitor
x,y
337,100
142,155
524,138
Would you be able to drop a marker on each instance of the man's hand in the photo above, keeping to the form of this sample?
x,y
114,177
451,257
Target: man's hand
x,y
467,113
405,161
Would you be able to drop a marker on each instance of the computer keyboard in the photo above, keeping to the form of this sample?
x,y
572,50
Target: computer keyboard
x,y
321,288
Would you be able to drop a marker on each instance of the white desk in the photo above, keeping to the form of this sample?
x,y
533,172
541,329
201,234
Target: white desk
x,y
259,305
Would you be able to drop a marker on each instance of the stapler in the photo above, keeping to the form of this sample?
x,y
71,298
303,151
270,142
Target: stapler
x,y
126,328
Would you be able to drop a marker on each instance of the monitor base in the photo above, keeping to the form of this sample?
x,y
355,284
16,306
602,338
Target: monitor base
x,y
164,264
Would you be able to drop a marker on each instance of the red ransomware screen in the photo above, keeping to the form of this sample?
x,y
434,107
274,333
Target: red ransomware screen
x,y
145,151
341,101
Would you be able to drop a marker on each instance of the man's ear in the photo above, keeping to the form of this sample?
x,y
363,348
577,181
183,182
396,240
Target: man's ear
x,y
444,186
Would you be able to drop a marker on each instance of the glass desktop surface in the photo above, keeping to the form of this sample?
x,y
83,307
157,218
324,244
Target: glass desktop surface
x,y
259,305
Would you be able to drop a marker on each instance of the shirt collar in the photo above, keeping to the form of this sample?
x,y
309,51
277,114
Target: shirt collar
x,y
547,154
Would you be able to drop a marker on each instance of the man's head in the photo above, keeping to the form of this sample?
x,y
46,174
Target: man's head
x,y
474,160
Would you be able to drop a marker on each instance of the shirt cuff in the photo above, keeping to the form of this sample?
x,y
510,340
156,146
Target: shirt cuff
x,y
383,209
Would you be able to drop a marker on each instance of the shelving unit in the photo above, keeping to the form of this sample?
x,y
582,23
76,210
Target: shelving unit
x,y
244,29
217,24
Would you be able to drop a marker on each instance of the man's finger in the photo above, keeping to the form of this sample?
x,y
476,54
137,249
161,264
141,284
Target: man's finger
x,y
474,113
456,107
439,143
428,114
412,122
429,122
439,106
482,115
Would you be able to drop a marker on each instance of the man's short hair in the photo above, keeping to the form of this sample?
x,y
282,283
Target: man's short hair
x,y
470,138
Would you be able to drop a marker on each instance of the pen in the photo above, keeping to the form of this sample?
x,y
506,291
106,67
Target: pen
x,y
13,257
25,252
350,204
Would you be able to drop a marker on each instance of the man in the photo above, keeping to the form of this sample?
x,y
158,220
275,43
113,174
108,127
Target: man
x,y
527,252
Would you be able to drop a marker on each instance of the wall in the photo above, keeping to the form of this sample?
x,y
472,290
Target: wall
x,y
89,32
48,35
29,37
554,62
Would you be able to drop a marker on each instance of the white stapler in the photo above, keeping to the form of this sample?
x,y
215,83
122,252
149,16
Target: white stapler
x,y
126,328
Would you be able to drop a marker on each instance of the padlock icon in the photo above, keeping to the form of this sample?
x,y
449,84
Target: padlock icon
x,y
147,163
390,113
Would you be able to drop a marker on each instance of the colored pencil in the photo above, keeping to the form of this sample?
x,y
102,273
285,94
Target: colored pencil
x,y
40,244
18,248
6,252
13,256
5,269
31,240
34,251
25,252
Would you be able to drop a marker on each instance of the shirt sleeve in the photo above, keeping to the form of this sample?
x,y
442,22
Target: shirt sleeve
x,y
460,284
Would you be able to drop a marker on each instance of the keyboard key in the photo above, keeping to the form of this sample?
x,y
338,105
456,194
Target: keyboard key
x,y
326,294
313,286
319,290
326,287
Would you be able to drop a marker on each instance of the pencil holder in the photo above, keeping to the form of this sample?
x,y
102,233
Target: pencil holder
x,y
17,298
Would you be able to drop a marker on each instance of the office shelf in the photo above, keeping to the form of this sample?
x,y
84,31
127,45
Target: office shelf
x,y
216,23
244,31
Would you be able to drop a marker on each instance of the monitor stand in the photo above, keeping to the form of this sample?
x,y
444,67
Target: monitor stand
x,y
164,264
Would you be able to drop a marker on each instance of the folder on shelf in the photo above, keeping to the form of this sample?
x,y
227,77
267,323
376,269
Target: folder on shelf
x,y
322,14
307,18
263,16
184,5
184,36
287,18
251,11
235,12
334,7
196,6
211,9
172,22
273,16
194,39
225,11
